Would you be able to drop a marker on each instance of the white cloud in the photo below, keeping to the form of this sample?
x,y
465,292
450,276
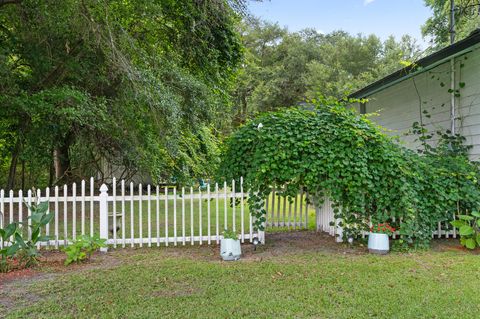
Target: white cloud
x,y
367,2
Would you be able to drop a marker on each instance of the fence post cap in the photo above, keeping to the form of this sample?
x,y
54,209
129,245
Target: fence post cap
x,y
103,188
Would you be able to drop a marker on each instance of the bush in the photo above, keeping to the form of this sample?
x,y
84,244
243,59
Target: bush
x,y
333,151
82,248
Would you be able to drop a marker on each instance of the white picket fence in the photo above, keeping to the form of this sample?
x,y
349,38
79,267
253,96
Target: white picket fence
x,y
285,213
128,215
325,216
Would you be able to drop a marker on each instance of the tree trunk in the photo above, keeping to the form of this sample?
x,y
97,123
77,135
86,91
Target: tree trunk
x,y
62,162
13,165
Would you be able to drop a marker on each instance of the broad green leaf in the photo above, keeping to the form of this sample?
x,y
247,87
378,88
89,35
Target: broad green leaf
x,y
476,214
19,240
466,230
465,217
458,223
12,250
470,243
10,230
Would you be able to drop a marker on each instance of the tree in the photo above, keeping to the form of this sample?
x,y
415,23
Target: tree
x,y
467,19
282,69
92,86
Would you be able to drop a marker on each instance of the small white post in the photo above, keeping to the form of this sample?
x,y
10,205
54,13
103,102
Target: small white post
x,y
104,215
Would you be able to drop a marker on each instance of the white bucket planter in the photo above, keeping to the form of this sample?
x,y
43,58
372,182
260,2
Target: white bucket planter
x,y
378,243
230,249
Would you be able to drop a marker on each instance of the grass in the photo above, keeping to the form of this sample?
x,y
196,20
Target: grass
x,y
289,283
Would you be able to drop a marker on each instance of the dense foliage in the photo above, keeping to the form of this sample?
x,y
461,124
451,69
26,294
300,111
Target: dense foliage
x,y
92,88
332,151
284,68
467,19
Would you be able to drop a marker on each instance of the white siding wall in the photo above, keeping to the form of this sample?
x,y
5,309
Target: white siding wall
x,y
399,106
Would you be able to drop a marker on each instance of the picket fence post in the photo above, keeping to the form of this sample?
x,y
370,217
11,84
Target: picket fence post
x,y
104,215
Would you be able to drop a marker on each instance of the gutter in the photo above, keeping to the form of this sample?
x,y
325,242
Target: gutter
x,y
415,73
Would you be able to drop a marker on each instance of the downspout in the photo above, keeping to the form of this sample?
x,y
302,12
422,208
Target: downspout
x,y
452,69
452,96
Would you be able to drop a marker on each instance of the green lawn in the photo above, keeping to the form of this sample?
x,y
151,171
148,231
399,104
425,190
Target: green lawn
x,y
290,277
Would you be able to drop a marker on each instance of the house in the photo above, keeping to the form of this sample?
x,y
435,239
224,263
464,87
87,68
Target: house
x,y
441,91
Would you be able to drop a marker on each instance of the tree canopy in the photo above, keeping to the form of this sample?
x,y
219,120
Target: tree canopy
x,y
285,68
90,86
467,19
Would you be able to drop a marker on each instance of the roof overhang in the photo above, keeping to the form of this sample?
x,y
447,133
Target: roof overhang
x,y
427,63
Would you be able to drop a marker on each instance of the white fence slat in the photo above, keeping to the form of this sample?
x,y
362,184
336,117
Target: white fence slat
x,y
92,207
29,213
242,211
10,209
295,212
272,209
183,216
74,211
233,206
2,214
290,213
114,211
20,207
47,227
149,215
56,217
175,216
123,213
284,210
307,198
200,214
217,222
267,200
65,217
208,214
277,222
225,205
82,207
191,216
157,202
132,216
166,216
38,195
301,208
140,214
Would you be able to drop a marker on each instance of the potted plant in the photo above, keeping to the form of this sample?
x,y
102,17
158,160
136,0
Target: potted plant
x,y
230,246
378,241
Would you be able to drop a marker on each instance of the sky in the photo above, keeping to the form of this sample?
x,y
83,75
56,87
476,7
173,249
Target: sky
x,y
381,17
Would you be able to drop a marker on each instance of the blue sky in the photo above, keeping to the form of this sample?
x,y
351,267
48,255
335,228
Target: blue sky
x,y
381,17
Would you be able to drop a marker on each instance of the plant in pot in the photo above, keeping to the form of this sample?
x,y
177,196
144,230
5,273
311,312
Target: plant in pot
x,y
230,246
378,239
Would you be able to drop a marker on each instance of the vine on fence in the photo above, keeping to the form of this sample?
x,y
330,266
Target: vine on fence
x,y
330,150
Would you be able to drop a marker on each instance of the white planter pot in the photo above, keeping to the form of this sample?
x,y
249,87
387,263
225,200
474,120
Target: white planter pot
x,y
230,249
378,243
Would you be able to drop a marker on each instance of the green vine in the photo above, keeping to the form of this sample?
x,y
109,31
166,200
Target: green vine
x,y
331,151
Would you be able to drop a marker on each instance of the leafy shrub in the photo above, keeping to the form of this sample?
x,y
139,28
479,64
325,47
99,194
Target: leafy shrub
x,y
469,229
15,245
331,151
82,248
230,234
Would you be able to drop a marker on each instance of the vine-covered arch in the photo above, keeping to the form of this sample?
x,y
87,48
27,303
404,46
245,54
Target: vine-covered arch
x,y
330,150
